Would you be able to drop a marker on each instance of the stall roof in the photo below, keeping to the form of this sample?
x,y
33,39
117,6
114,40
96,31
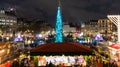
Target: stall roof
x,y
64,48
115,46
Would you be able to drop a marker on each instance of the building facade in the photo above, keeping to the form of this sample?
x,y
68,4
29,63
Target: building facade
x,y
103,26
8,22
91,27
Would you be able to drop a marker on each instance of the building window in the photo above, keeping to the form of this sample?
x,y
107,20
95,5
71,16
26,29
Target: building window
x,y
2,11
11,20
7,20
11,23
3,20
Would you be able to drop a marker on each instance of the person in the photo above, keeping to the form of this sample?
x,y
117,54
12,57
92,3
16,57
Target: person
x,y
26,62
63,65
99,63
51,64
15,63
8,64
32,63
47,65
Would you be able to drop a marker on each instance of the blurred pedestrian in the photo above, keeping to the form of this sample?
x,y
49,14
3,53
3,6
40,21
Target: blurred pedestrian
x,y
15,63
8,64
32,63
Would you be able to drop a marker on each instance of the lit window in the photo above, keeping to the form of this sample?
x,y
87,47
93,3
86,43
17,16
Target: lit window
x,y
14,21
11,20
108,20
2,11
11,24
7,20
3,23
3,20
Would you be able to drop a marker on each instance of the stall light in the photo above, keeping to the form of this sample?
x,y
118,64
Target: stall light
x,y
1,51
40,35
44,56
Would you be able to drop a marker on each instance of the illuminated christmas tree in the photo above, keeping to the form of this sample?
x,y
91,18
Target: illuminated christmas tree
x,y
58,27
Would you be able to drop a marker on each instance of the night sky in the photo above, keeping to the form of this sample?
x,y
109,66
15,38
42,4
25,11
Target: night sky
x,y
72,10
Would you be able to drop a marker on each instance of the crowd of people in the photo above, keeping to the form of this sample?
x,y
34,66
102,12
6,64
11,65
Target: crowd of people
x,y
25,62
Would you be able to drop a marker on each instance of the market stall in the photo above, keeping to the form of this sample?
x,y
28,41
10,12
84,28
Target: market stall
x,y
61,53
115,51
4,51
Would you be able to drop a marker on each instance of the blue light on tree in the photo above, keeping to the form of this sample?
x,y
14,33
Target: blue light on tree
x,y
58,28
